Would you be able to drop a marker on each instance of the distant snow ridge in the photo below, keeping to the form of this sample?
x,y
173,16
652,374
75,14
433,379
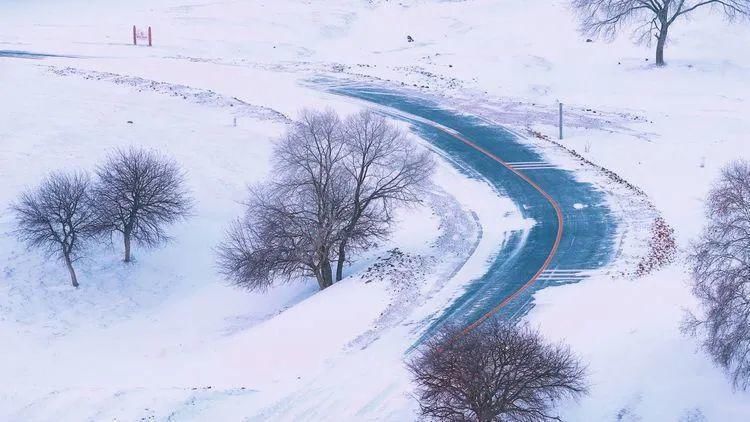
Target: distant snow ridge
x,y
196,95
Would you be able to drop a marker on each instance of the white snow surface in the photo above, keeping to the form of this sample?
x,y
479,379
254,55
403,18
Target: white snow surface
x,y
168,325
167,339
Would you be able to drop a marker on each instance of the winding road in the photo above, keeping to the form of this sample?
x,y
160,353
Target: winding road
x,y
574,231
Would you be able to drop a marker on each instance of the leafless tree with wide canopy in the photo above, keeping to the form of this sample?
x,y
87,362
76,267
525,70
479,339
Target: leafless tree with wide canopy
x,y
57,217
721,274
332,191
139,193
498,371
651,19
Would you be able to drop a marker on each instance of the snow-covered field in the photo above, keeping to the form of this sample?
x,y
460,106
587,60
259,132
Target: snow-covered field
x,y
168,323
166,338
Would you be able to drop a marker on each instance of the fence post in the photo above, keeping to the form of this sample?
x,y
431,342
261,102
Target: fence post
x,y
149,36
135,39
561,120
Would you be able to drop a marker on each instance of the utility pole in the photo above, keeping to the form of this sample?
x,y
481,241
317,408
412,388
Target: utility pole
x,y
561,120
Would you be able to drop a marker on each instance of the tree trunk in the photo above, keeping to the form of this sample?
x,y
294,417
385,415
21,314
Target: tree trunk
x,y
73,277
327,274
340,261
126,239
324,275
660,43
482,415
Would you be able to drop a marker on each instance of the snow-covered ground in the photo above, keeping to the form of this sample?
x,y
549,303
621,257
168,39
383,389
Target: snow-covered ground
x,y
135,341
166,335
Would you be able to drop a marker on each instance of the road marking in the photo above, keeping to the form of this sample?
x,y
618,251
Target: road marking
x,y
572,272
561,275
531,165
536,168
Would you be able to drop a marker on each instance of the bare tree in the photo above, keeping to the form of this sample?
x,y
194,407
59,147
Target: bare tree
x,y
652,18
57,217
496,372
721,274
139,192
293,224
333,189
385,170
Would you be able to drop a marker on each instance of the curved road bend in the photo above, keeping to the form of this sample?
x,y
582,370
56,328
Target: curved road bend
x,y
574,230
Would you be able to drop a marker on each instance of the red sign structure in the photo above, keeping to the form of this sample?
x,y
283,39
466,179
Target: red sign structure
x,y
141,35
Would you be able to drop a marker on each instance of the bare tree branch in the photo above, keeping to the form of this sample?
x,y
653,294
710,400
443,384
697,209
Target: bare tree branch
x,y
386,171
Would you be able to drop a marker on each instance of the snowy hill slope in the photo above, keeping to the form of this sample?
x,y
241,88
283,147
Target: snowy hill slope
x,y
138,340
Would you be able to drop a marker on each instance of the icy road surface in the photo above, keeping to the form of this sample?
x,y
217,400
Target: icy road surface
x,y
529,261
